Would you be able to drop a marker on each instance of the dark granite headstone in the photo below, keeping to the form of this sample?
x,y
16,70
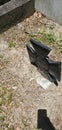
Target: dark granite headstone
x,y
3,2
13,10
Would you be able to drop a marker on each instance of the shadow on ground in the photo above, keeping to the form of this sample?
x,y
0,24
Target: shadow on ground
x,y
44,122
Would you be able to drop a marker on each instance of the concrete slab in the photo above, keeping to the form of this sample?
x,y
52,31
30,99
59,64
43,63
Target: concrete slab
x,y
51,8
14,10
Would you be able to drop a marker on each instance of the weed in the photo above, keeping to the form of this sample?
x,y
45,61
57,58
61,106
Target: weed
x,y
47,38
43,36
1,56
35,129
2,118
51,38
11,128
5,95
60,47
60,41
5,125
60,44
60,35
51,27
12,44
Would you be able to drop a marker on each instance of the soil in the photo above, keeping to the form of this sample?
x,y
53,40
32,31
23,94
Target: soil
x,y
20,95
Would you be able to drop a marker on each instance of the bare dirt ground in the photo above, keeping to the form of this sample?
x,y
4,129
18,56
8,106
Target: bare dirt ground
x,y
20,95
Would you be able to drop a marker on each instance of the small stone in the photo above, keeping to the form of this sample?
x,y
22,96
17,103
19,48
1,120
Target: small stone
x,y
18,128
43,82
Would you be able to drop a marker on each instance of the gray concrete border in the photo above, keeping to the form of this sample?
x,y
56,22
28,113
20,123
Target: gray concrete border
x,y
51,8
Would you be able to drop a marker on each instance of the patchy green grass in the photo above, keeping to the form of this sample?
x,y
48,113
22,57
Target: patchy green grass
x,y
4,124
48,38
1,56
35,129
44,37
12,44
5,99
51,38
2,118
5,95
51,27
60,47
11,128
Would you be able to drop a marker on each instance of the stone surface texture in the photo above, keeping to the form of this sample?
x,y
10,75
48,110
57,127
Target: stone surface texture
x,y
51,8
15,10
